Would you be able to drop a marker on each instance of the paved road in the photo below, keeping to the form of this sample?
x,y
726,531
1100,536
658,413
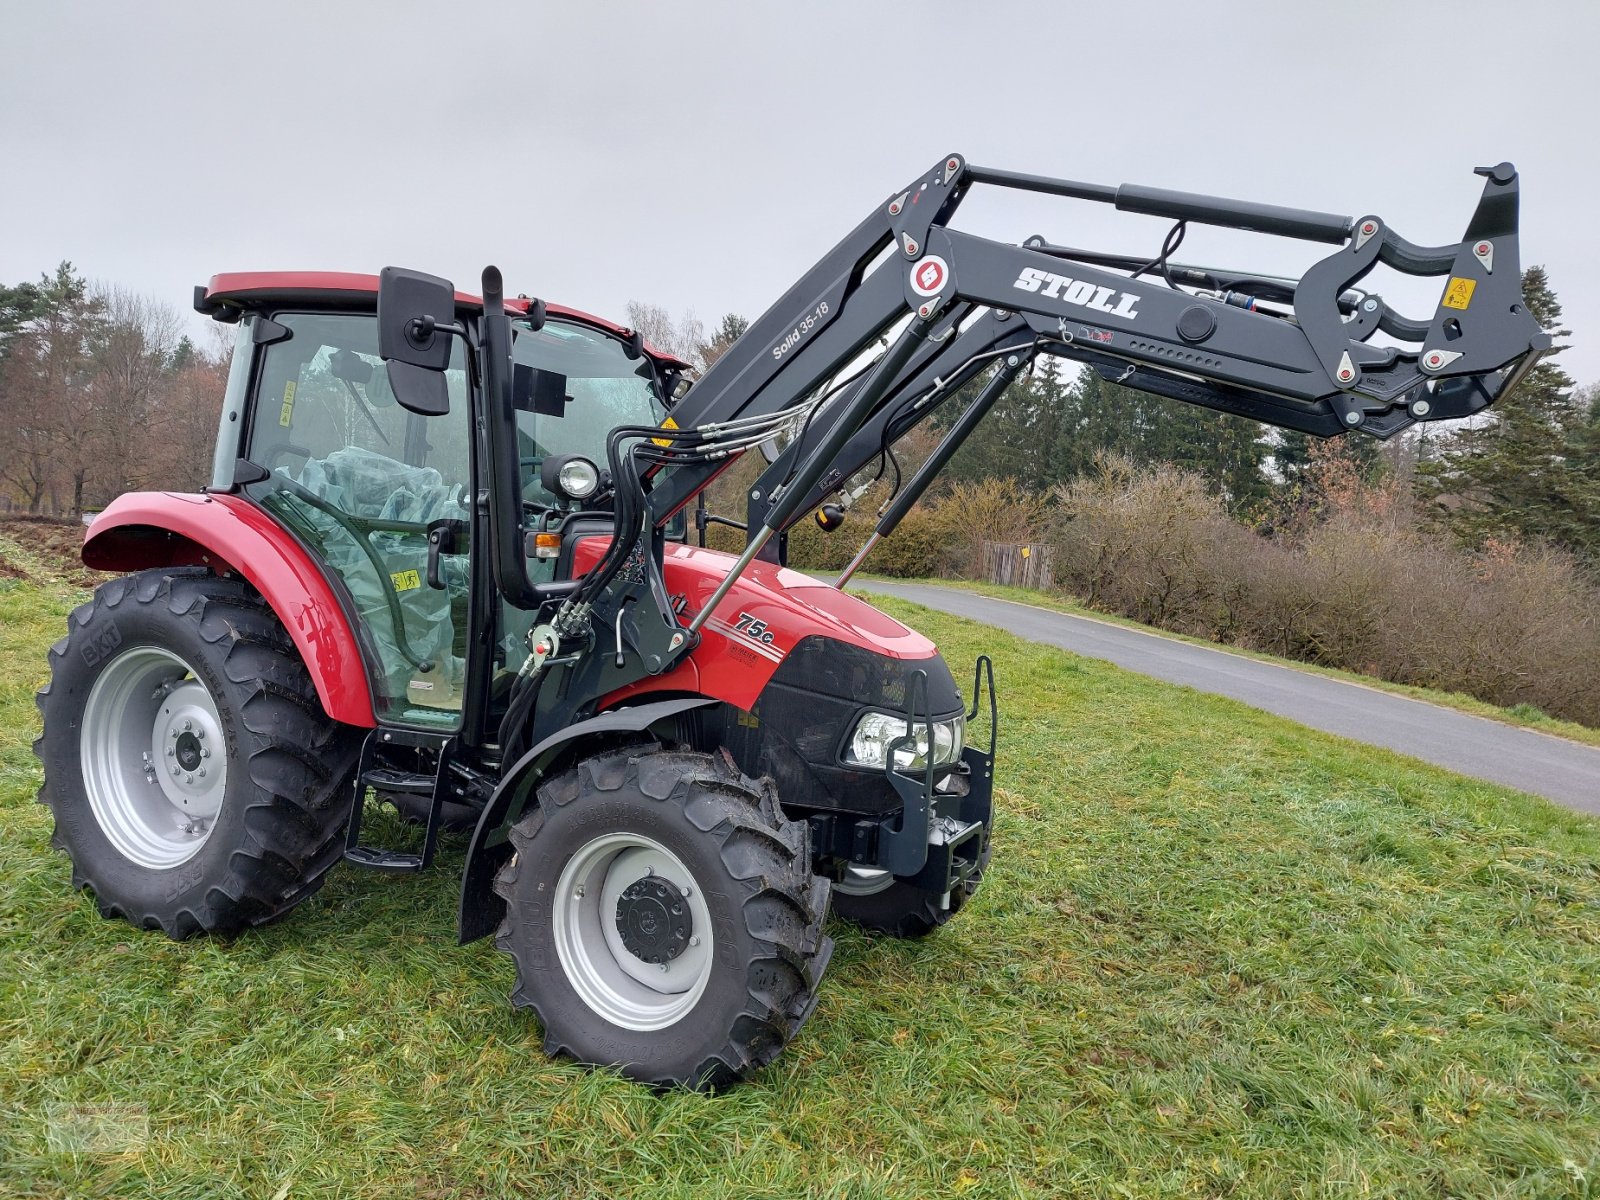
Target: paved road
x,y
1566,772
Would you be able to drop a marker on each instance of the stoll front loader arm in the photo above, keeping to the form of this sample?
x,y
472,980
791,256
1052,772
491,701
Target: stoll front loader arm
x,y
1300,354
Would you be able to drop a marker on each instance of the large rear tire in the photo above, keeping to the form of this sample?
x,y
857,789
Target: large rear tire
x,y
196,783
663,918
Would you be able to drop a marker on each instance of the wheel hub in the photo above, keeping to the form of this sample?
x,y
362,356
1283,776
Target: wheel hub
x,y
186,723
153,757
653,919
632,931
187,751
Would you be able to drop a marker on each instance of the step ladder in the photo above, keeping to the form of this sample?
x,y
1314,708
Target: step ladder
x,y
384,777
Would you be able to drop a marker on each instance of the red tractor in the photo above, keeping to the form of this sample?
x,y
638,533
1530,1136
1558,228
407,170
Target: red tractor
x,y
445,561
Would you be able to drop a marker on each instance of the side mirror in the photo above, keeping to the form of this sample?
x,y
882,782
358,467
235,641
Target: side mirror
x,y
416,317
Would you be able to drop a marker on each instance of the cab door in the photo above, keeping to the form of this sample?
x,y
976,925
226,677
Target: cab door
x,y
361,481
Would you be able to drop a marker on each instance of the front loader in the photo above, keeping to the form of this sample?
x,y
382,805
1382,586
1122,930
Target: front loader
x,y
445,562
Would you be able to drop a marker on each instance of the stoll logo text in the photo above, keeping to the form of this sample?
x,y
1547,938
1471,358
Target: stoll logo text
x,y
1077,291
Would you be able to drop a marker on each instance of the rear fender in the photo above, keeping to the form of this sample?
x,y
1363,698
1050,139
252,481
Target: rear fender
x,y
166,529
481,909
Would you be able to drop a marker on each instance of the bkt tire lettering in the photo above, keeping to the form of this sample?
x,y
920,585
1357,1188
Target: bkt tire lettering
x,y
1077,291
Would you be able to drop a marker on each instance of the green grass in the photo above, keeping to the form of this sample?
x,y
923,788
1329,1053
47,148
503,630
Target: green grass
x,y
1527,716
1218,955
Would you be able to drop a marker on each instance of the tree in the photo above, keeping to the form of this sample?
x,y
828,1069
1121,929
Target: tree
x,y
683,338
729,330
18,306
1525,471
133,351
1048,429
47,400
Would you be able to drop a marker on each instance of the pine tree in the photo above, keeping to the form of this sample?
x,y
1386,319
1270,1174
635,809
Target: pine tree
x,y
1521,472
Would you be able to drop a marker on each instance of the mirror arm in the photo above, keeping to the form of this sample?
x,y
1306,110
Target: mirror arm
x,y
420,329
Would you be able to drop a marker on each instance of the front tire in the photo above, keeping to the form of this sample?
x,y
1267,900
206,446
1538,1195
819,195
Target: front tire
x,y
196,783
663,918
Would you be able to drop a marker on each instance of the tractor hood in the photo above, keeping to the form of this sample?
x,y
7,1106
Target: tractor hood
x,y
765,615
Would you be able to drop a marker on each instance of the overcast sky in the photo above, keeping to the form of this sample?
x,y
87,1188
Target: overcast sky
x,y
702,155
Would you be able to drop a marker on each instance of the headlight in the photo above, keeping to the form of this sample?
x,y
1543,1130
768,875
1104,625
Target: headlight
x,y
578,478
569,475
869,744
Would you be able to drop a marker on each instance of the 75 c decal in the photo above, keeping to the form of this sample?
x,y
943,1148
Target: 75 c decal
x,y
748,636
753,629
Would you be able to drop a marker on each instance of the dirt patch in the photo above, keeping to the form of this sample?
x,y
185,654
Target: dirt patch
x,y
50,549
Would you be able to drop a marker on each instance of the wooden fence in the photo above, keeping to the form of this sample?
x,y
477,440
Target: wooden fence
x,y
1027,566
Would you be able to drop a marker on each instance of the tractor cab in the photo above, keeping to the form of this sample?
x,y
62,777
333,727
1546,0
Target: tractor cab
x,y
383,495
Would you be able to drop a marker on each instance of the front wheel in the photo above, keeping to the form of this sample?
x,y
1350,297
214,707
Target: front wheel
x,y
663,918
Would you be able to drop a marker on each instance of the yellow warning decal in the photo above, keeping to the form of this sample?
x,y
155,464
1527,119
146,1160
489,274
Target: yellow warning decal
x,y
1458,294
405,581
286,414
669,423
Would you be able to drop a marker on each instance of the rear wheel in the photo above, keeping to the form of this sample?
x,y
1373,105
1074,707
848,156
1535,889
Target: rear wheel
x,y
663,918
196,784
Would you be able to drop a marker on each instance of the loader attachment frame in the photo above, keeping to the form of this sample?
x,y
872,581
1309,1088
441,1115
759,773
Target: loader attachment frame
x,y
906,310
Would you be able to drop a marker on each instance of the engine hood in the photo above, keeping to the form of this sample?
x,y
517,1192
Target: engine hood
x,y
765,615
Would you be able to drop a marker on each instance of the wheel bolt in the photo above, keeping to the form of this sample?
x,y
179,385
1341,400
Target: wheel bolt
x,y
688,891
577,892
201,732
171,753
201,772
694,939
205,754
188,726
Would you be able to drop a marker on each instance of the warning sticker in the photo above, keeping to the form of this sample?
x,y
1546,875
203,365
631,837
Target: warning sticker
x,y
286,413
405,581
1458,294
669,423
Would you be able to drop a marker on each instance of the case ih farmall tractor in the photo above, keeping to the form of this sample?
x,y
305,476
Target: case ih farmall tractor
x,y
444,561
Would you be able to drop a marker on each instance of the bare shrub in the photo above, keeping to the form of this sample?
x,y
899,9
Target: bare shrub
x,y
1143,542
941,536
1351,581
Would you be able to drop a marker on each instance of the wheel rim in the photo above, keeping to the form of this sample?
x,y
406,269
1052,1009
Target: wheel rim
x,y
155,765
863,881
610,875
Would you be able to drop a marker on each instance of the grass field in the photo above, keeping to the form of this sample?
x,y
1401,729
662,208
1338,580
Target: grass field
x,y
1218,955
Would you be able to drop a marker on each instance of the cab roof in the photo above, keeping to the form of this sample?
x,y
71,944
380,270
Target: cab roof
x,y
247,288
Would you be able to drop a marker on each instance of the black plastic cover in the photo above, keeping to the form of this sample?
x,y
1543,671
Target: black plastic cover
x,y
802,720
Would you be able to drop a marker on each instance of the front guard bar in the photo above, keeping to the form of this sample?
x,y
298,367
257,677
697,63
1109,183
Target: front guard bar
x,y
939,838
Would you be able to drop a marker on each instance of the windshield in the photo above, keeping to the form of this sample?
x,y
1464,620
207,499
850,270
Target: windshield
x,y
604,389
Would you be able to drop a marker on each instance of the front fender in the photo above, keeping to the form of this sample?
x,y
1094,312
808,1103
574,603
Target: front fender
x,y
481,909
168,529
